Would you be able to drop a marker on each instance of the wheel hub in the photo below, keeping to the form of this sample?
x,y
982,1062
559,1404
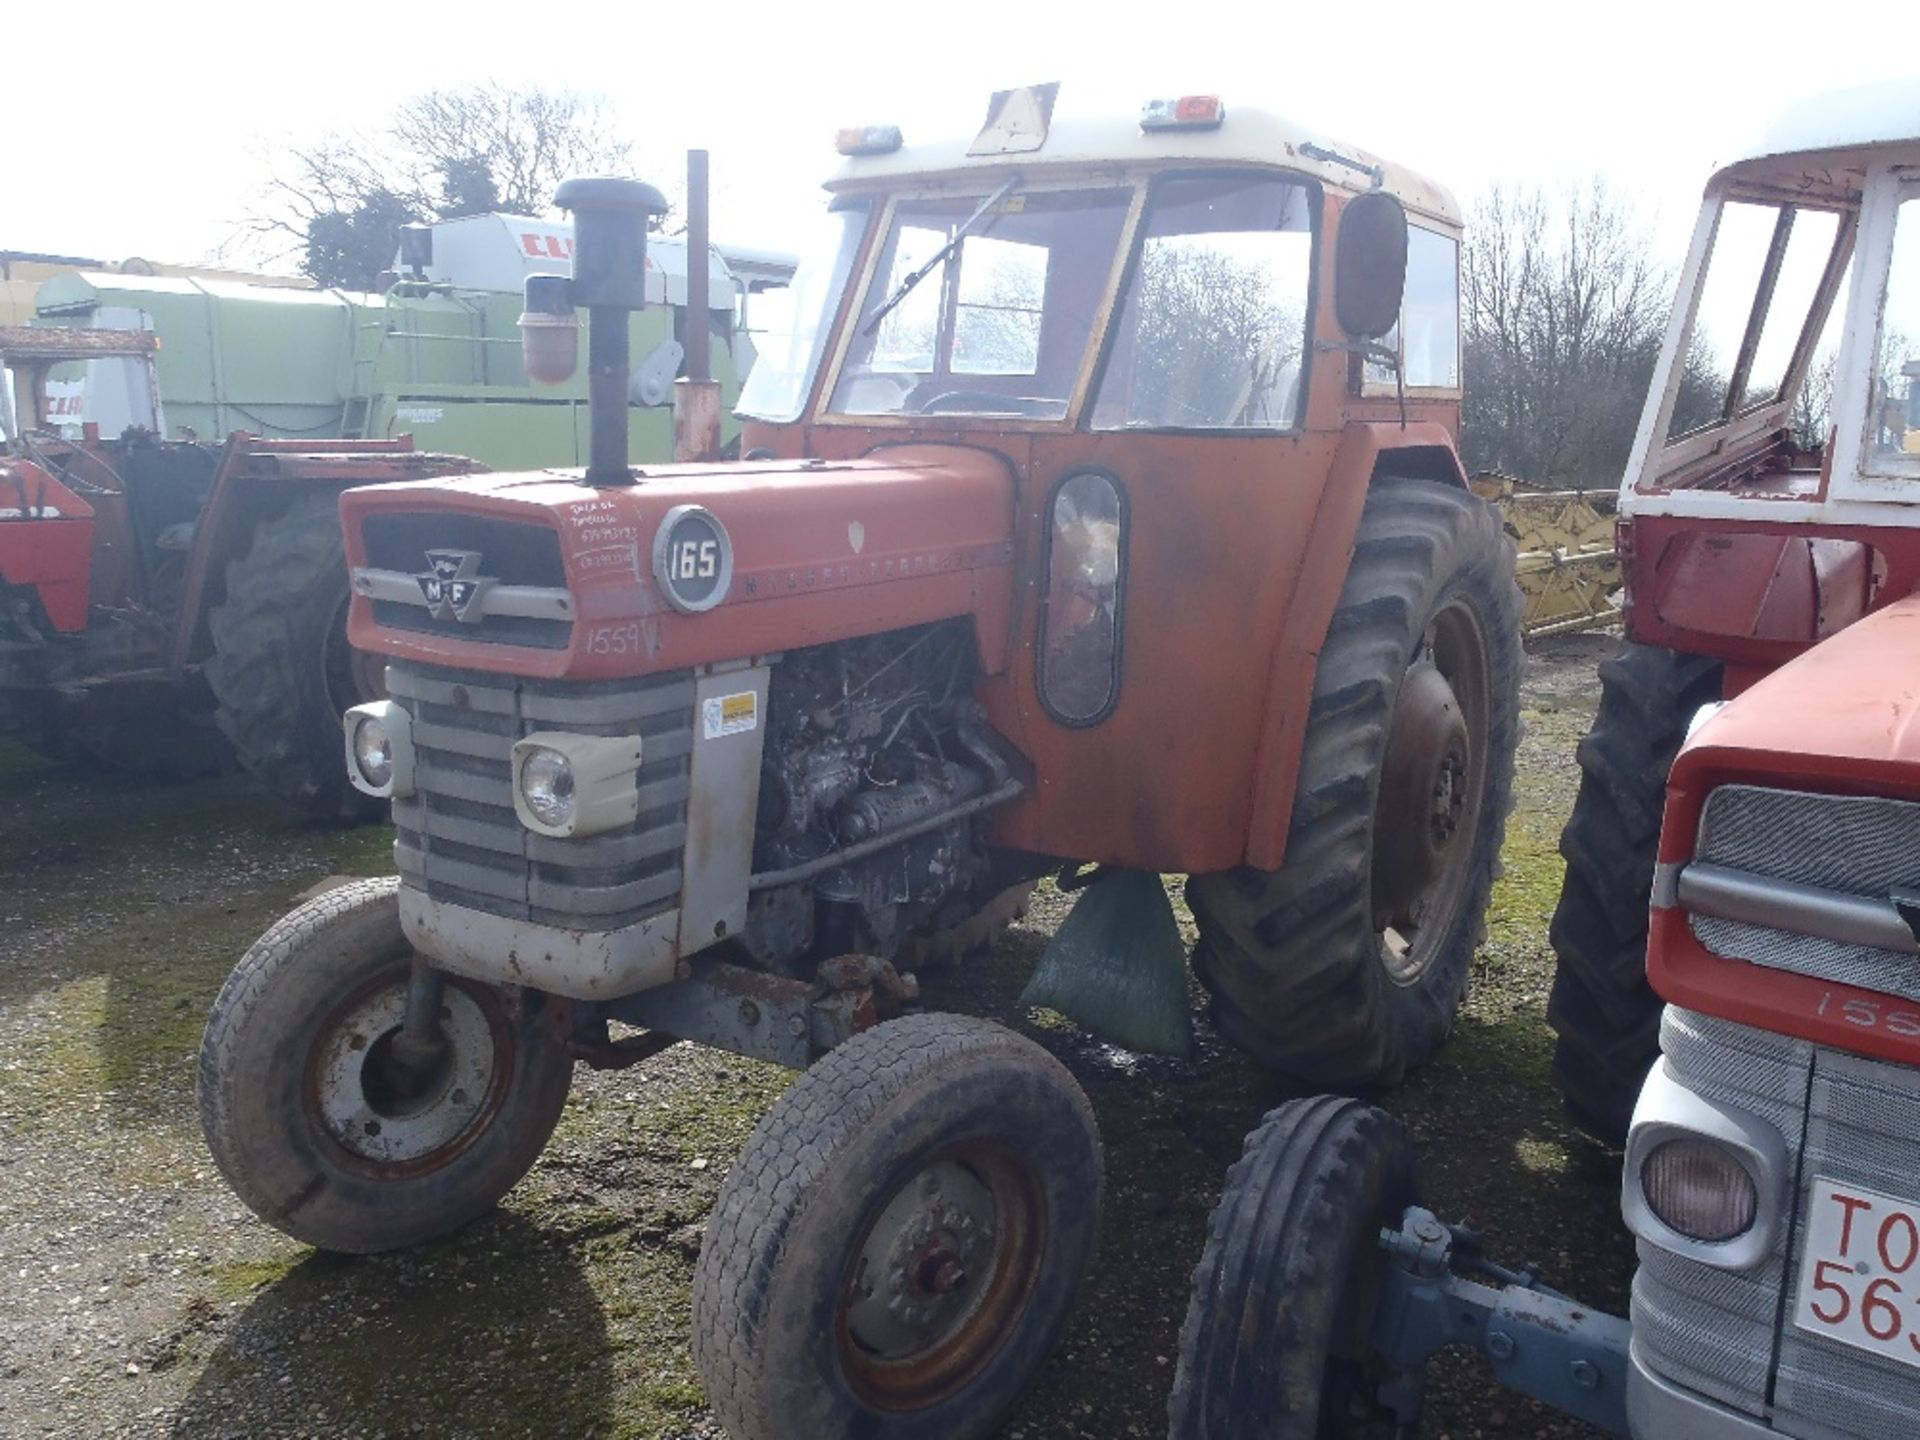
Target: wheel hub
x,y
913,1282
1424,787
384,1105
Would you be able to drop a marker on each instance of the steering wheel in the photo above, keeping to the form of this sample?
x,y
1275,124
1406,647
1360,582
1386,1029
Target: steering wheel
x,y
1035,406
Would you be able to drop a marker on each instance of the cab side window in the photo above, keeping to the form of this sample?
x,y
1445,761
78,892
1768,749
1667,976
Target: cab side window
x,y
1427,338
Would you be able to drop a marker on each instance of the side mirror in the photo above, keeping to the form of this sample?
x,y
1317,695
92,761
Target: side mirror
x,y
1370,265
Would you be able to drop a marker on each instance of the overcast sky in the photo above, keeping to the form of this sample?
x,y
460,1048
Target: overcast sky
x,y
147,132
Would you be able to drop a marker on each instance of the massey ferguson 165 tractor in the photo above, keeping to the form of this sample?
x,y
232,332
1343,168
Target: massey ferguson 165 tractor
x,y
1103,509
1772,498
1772,1165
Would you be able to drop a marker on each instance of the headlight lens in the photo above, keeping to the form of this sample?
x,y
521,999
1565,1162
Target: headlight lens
x,y
1700,1189
546,784
373,752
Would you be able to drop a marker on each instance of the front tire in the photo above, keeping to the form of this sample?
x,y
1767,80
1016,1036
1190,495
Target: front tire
x,y
281,668
1606,1015
1277,1343
897,1248
1345,967
314,1123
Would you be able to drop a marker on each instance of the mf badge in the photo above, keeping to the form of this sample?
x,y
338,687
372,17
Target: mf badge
x,y
454,587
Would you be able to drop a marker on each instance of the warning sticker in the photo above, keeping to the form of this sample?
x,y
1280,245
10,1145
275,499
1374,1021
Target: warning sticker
x,y
731,714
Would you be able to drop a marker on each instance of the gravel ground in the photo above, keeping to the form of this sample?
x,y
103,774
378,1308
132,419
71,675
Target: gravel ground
x,y
142,1299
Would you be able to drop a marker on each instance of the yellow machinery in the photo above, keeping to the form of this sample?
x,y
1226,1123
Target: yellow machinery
x,y
1568,570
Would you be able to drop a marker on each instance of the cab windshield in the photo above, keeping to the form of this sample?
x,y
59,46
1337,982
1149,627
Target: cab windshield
x,y
1001,325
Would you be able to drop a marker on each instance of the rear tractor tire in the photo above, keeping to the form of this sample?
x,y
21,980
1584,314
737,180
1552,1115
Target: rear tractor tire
x,y
1344,968
315,1119
281,668
1278,1341
1607,1016
898,1247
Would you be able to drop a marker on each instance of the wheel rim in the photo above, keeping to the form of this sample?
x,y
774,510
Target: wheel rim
x,y
392,1120
940,1275
352,677
1432,785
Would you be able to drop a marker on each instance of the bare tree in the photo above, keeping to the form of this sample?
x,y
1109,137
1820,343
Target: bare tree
x,y
1564,310
336,205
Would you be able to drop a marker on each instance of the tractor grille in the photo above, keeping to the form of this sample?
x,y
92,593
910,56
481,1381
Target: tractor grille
x,y
1857,846
1708,1329
1730,1335
1861,1131
516,557
458,838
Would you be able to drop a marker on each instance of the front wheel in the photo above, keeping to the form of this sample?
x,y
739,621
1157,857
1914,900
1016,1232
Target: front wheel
x,y
898,1246
1345,966
1277,1343
318,1122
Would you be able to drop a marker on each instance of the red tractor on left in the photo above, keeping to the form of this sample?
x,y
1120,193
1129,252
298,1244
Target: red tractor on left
x,y
169,606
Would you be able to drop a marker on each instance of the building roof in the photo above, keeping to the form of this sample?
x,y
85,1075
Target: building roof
x,y
1249,136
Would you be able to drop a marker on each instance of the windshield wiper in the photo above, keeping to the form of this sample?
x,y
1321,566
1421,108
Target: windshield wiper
x,y
940,256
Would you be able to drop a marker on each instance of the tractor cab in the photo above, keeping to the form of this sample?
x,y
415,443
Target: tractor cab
x,y
1769,500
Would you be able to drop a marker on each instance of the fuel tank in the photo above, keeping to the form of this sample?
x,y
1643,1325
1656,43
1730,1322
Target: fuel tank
x,y
539,574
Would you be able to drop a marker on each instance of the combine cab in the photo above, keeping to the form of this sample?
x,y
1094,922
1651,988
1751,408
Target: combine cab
x,y
1103,510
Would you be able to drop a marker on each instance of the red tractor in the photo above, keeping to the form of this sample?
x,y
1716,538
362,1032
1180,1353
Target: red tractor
x,y
1770,1161
1104,509
165,605
1769,503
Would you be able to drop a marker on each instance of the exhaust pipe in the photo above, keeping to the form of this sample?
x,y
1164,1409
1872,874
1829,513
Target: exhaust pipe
x,y
610,218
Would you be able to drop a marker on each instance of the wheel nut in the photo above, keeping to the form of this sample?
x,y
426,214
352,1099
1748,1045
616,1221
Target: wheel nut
x,y
942,1275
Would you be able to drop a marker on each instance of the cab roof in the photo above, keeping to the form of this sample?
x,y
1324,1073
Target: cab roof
x,y
1824,142
1247,137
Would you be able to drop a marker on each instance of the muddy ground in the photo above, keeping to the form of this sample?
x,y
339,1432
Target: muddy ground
x,y
141,1299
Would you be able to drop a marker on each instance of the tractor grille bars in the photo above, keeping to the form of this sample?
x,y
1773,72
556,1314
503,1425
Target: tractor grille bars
x,y
1803,882
1714,1331
458,838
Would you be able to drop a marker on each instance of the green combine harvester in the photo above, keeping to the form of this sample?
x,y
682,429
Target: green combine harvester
x,y
436,354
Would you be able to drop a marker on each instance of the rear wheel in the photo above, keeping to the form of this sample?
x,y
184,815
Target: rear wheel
x,y
281,667
1277,1343
326,1127
1345,966
1607,1016
898,1247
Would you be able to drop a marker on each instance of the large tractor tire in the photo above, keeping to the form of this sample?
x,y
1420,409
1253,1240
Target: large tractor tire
x,y
1607,1016
1278,1341
898,1247
281,668
316,1117
1344,968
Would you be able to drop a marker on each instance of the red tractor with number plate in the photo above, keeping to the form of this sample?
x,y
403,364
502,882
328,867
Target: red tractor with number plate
x,y
1102,509
1770,1161
1772,499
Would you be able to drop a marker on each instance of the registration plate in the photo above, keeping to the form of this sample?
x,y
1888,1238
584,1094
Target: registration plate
x,y
1860,1272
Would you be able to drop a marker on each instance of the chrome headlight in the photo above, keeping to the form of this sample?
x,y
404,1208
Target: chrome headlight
x,y
1699,1188
1701,1179
380,749
576,784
